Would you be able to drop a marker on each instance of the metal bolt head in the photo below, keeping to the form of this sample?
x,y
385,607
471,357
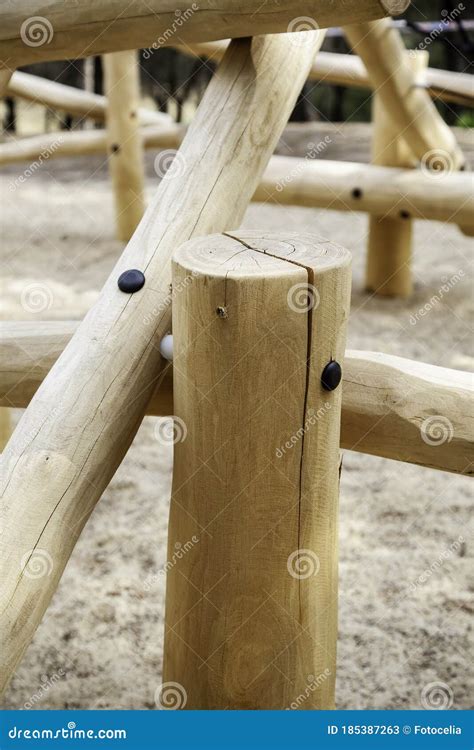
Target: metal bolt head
x,y
331,376
131,281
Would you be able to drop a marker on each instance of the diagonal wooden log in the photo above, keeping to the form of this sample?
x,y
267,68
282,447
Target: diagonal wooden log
x,y
383,53
32,30
385,399
84,416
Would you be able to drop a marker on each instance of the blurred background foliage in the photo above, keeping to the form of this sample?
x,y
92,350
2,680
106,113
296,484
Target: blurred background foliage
x,y
451,51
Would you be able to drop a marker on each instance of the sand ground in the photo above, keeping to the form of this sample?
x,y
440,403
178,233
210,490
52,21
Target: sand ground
x,y
100,644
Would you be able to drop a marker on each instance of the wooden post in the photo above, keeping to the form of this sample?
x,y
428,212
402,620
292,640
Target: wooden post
x,y
251,604
80,102
388,265
83,418
124,144
5,427
5,417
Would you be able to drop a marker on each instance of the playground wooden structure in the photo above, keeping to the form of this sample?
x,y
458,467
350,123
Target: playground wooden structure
x,y
258,324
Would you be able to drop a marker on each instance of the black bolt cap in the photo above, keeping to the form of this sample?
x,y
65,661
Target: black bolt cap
x,y
131,281
331,376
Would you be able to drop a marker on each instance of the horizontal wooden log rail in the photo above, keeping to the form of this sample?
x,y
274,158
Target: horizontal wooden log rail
x,y
64,29
386,399
72,100
349,70
83,143
382,191
314,183
80,423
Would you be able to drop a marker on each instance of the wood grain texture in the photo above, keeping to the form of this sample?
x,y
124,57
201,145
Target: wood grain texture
x,y
75,30
82,419
314,183
385,399
83,143
409,411
124,143
389,245
5,427
382,191
382,50
74,101
349,70
251,609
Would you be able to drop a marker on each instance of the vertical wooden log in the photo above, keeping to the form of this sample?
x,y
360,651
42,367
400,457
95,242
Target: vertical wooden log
x,y
388,268
125,148
89,70
251,607
5,427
